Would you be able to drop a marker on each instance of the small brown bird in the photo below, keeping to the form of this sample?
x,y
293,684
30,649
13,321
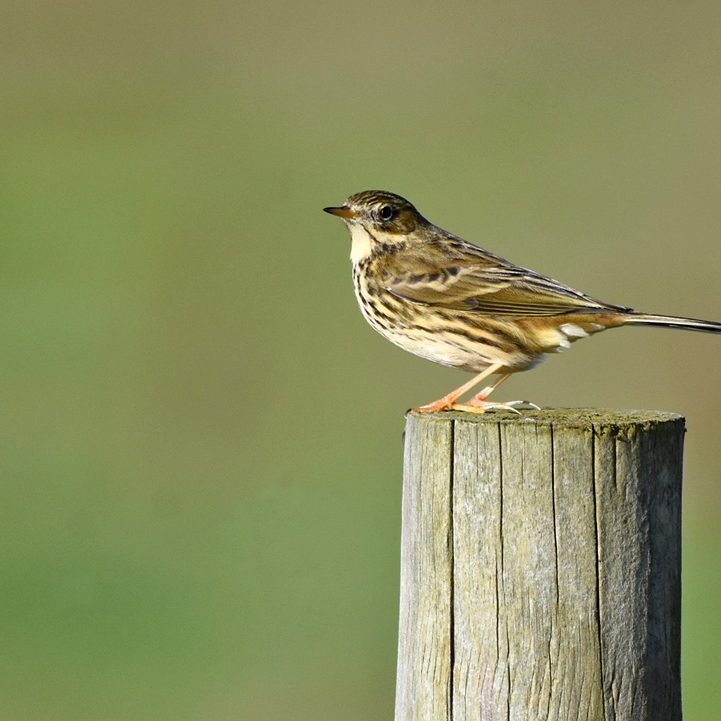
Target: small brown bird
x,y
436,295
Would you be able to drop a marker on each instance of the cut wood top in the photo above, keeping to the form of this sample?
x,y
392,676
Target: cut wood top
x,y
564,417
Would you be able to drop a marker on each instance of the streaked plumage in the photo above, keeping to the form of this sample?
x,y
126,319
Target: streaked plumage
x,y
444,299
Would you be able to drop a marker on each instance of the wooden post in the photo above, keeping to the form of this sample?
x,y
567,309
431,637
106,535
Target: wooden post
x,y
541,567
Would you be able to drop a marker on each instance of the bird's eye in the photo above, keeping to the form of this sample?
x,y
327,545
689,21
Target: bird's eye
x,y
385,212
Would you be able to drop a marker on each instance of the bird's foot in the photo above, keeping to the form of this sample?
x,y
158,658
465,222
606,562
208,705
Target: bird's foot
x,y
442,404
479,405
483,406
473,405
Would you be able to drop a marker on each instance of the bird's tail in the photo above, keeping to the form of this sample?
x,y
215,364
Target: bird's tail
x,y
670,321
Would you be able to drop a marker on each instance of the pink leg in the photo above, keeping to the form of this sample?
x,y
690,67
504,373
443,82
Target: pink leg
x,y
448,401
480,397
479,404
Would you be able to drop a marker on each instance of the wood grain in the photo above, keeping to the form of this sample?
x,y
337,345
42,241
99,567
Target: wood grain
x,y
540,567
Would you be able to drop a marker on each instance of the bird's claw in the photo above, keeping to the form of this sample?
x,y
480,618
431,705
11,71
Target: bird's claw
x,y
483,406
525,404
440,405
475,405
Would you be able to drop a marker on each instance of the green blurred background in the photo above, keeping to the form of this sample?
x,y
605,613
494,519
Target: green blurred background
x,y
201,438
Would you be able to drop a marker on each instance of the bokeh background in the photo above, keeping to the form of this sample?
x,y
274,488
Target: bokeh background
x,y
201,438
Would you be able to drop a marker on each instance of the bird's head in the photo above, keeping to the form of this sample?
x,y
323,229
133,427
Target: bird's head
x,y
379,211
377,219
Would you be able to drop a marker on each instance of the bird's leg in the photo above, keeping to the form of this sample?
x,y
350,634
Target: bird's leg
x,y
479,404
448,401
480,397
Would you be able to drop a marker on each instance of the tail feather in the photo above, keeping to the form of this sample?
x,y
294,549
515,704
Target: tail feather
x,y
670,321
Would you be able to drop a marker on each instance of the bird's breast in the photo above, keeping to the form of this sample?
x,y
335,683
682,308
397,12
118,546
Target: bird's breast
x,y
441,336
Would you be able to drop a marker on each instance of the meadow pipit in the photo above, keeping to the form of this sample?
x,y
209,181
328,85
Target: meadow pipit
x,y
436,295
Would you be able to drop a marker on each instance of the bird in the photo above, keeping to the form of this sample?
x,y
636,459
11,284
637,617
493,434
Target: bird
x,y
449,301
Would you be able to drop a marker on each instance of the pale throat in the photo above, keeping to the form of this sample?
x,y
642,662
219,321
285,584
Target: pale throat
x,y
362,242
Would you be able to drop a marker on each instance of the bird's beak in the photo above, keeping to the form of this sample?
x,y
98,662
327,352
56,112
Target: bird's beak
x,y
342,212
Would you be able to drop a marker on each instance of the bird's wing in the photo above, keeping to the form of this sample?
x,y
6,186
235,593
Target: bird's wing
x,y
476,281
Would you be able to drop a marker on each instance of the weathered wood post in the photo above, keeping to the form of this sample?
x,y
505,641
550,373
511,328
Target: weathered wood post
x,y
541,567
